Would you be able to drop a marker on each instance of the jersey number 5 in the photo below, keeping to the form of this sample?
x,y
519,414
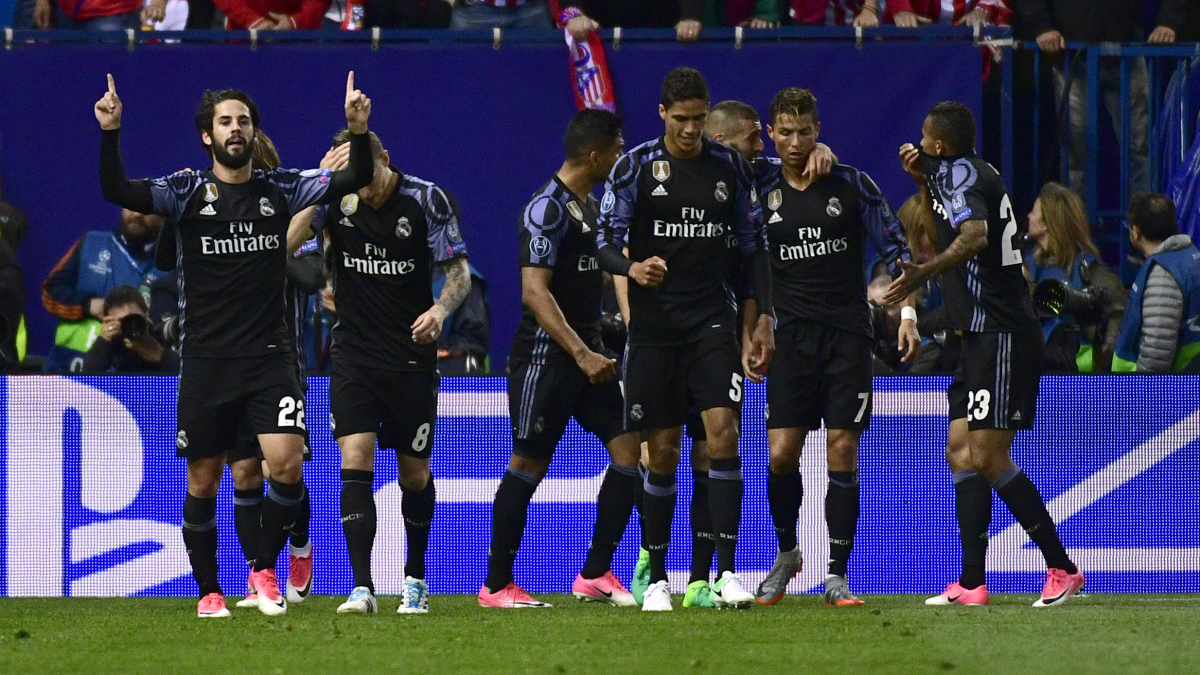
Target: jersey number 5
x,y
735,391
1008,254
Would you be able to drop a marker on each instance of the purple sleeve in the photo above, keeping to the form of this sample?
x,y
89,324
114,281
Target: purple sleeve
x,y
616,207
542,230
883,227
445,237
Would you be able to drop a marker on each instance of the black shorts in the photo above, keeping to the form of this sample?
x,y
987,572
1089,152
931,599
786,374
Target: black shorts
x,y
542,399
247,446
400,407
996,381
218,398
664,384
819,373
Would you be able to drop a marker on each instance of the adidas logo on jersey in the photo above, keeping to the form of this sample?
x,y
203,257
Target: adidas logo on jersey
x,y
1016,416
775,218
659,191
208,211
346,222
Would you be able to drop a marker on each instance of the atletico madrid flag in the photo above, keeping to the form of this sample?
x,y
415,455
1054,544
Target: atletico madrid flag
x,y
589,68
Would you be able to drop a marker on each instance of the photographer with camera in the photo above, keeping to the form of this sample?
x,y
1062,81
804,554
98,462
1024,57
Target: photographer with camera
x,y
1161,329
127,342
1079,300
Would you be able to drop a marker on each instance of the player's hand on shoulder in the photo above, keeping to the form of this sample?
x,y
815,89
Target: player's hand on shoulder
x,y
337,158
598,367
358,107
910,159
820,162
108,108
650,272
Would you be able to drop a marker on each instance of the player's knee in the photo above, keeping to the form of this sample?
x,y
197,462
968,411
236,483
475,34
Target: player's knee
x,y
784,462
664,459
247,474
624,450
415,480
204,487
700,459
843,454
526,465
722,441
288,470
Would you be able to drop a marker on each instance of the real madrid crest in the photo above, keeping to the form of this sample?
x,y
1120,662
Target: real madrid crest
x,y
403,229
350,203
833,208
265,208
661,170
210,193
775,199
574,210
722,192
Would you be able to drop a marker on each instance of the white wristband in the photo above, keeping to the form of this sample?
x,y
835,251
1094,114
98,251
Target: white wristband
x,y
908,314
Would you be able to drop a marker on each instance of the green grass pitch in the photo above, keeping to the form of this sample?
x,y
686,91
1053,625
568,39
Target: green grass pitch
x,y
891,634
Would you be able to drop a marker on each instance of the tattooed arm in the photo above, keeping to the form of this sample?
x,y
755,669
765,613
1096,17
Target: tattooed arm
x,y
428,326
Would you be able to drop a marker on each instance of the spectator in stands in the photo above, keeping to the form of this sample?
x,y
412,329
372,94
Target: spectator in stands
x,y
100,261
272,14
1056,22
1161,329
406,13
465,340
127,342
1062,249
863,13
13,226
913,13
478,14
684,15
88,14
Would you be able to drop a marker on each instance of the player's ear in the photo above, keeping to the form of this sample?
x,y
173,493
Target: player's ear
x,y
662,111
385,158
816,129
206,139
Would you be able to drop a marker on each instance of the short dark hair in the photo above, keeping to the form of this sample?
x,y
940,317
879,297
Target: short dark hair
x,y
683,84
722,116
954,125
206,115
343,136
1154,214
591,130
793,101
122,296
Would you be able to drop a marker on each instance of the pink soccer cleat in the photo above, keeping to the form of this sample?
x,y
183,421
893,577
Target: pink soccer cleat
x,y
606,589
955,594
511,596
212,606
1059,586
300,573
270,601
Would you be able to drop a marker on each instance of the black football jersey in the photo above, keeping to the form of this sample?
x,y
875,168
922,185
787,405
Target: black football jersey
x,y
686,211
558,231
382,261
989,293
817,239
231,243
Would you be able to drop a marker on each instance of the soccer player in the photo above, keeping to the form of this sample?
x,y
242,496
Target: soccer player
x,y
817,228
559,369
674,201
994,393
237,366
383,385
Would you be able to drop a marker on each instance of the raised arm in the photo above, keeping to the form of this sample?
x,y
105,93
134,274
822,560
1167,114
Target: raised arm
x,y
133,195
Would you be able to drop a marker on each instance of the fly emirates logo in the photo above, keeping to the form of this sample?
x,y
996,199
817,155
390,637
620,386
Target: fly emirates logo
x,y
691,227
375,262
241,239
811,245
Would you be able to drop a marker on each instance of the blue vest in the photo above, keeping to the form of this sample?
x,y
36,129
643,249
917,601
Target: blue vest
x,y
1184,266
104,264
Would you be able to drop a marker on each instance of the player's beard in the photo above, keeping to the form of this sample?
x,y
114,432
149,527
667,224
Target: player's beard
x,y
222,156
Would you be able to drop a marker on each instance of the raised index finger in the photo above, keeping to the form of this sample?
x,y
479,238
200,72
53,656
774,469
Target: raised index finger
x,y
112,85
350,83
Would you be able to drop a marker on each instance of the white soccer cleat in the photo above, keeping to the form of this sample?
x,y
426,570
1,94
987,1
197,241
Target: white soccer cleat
x,y
728,592
361,601
658,598
251,599
415,599
270,601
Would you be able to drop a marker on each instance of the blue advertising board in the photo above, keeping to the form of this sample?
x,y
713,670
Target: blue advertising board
x,y
91,492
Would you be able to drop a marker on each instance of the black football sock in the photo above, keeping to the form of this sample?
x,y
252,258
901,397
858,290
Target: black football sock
x,y
300,527
247,521
614,505
973,507
785,494
841,517
641,503
358,522
659,500
417,507
725,487
278,515
200,540
510,511
1022,498
703,541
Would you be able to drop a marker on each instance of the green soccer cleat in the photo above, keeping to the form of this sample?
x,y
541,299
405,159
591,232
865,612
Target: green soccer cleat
x,y
641,576
699,594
